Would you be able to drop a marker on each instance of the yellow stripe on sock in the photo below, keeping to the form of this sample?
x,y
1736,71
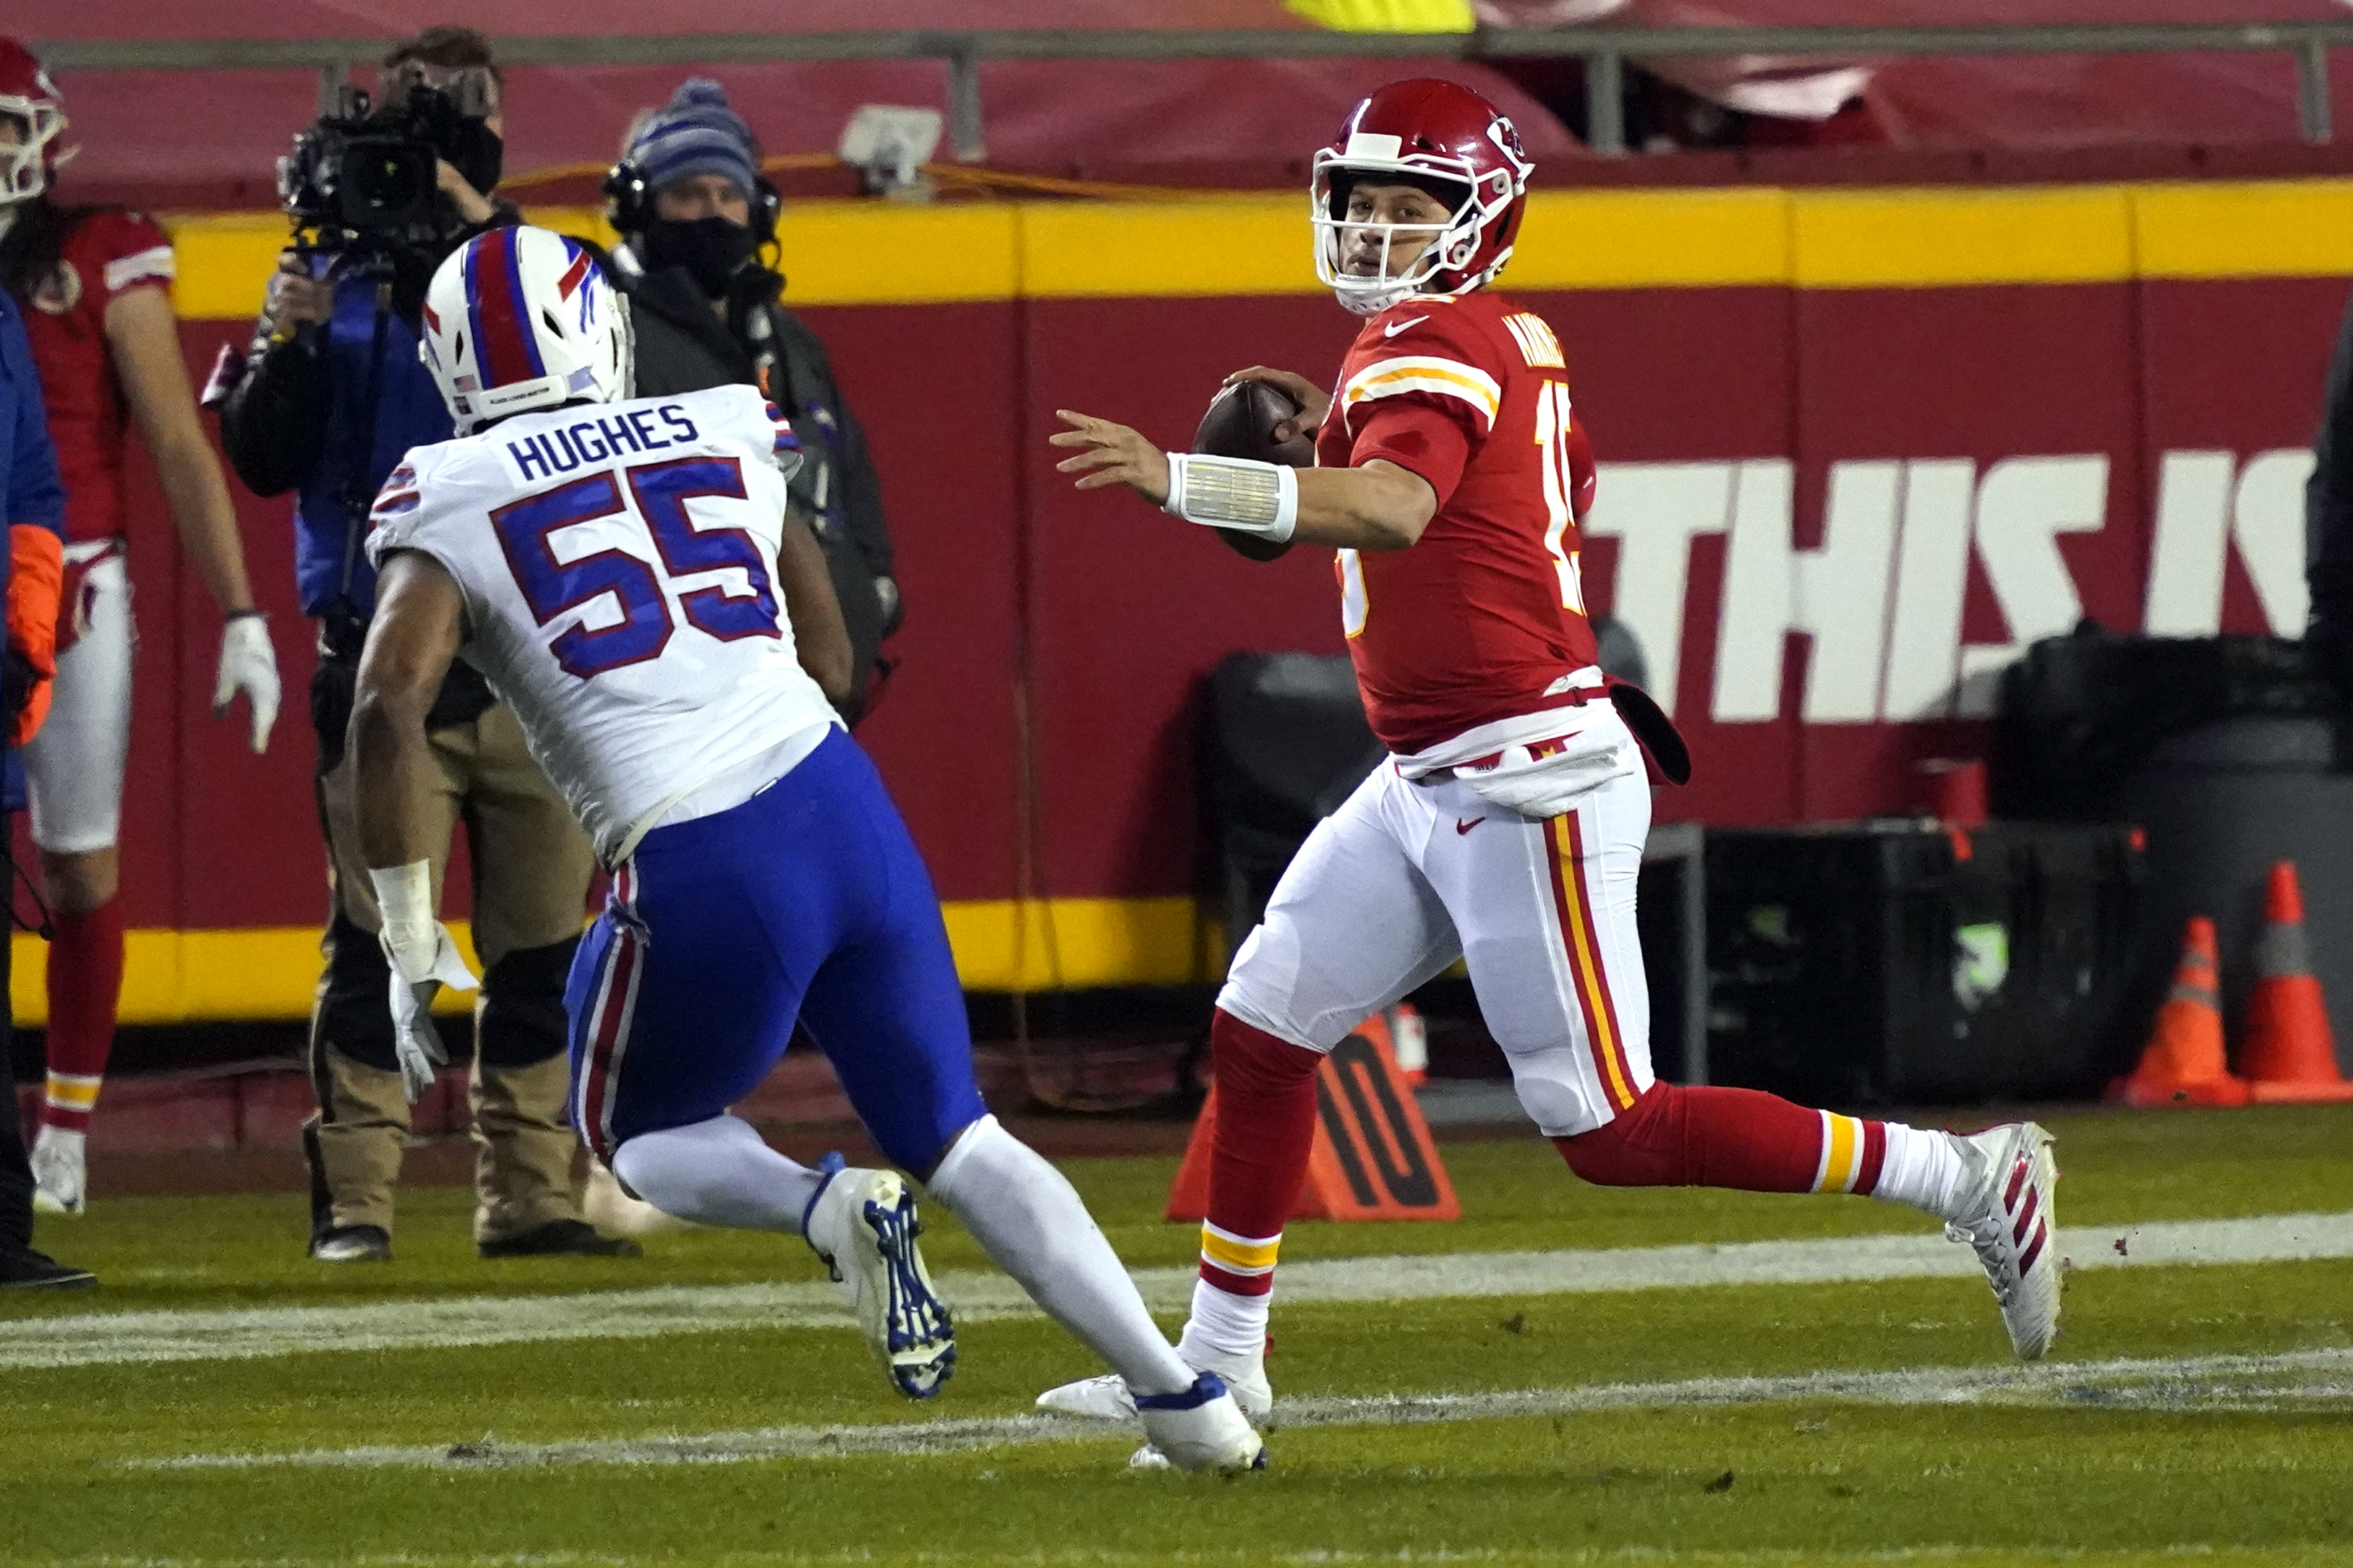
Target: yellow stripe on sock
x,y
1842,1160
68,1091
1239,1253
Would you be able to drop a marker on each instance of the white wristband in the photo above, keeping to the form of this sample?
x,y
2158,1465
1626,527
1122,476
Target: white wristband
x,y
412,928
1233,492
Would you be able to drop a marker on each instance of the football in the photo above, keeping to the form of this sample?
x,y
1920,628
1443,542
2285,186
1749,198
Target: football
x,y
1242,422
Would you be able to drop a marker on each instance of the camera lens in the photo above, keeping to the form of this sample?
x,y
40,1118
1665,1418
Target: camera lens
x,y
386,182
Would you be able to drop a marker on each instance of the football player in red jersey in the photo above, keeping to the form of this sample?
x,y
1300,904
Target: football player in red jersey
x,y
1507,827
92,282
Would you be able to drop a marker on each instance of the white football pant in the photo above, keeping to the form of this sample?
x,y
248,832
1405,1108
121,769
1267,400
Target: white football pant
x,y
73,768
1406,878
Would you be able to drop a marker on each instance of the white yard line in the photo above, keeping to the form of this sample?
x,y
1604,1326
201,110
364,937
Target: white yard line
x,y
109,1338
2302,1379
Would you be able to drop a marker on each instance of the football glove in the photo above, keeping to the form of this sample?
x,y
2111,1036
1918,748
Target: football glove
x,y
35,580
422,957
414,1041
248,664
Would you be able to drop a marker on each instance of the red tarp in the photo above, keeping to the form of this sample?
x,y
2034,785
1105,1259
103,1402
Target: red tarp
x,y
212,138
188,138
1110,119
2016,102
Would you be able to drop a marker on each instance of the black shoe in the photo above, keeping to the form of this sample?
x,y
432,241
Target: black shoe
x,y
561,1237
352,1244
30,1270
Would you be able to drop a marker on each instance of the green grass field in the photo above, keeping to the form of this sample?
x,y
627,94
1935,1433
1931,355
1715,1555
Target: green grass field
x,y
1586,1426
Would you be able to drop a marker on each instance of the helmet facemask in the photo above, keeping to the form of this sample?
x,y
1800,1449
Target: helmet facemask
x,y
1415,258
24,164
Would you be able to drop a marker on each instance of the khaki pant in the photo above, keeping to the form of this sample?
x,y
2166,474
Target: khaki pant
x,y
532,867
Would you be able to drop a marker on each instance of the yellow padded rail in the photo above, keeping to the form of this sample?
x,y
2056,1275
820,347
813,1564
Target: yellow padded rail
x,y
881,253
179,977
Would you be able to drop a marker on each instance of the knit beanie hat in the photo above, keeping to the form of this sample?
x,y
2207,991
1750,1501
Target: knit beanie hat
x,y
695,133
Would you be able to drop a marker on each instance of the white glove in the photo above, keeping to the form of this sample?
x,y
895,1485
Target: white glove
x,y
248,664
418,951
414,1041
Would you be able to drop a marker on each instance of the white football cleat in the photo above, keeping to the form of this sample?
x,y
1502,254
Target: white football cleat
x,y
863,1224
2010,1225
1200,1429
61,1176
1106,1398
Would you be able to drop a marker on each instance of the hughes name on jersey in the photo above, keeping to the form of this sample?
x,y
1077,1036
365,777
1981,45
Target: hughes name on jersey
x,y
1483,620
618,567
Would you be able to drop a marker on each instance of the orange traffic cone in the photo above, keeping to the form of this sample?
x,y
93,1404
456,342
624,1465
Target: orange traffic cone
x,y
2290,1054
1373,1158
2184,1064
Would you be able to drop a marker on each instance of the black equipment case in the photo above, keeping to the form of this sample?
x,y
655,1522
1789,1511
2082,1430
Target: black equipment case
x,y
1901,963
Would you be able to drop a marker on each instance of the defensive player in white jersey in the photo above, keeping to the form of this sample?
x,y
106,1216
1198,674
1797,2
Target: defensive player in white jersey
x,y
1506,829
627,577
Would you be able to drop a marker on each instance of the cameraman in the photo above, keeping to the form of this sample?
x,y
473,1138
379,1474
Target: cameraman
x,y
331,397
693,214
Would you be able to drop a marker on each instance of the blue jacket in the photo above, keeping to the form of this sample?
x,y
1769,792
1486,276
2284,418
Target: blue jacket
x,y
29,486
328,533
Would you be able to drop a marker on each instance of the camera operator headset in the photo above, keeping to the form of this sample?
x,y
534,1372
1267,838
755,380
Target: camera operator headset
x,y
331,395
695,214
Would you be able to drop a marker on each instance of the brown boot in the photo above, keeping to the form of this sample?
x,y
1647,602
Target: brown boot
x,y
353,1145
523,1164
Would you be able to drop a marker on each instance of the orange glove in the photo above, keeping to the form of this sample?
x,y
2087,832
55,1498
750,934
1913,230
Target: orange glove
x,y
37,575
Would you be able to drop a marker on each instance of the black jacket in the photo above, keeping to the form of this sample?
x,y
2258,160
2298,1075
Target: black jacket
x,y
2328,524
684,346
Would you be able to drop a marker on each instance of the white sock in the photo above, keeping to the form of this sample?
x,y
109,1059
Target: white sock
x,y
50,1137
718,1172
1028,1217
1224,1327
1924,1169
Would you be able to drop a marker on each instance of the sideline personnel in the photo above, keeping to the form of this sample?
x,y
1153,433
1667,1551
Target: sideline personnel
x,y
694,213
334,396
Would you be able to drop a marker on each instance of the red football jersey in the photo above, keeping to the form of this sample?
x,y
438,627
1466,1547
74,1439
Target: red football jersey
x,y
1483,614
107,253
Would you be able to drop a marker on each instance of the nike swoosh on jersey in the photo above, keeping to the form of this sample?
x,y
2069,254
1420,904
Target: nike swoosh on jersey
x,y
1461,826
1394,328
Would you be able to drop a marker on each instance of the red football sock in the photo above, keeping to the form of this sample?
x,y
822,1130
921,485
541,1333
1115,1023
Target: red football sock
x,y
1681,1137
1266,1128
85,983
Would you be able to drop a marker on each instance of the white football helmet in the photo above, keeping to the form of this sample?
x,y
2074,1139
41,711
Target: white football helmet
x,y
522,319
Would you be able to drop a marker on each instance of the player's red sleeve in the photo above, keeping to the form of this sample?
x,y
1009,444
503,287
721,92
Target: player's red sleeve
x,y
1417,437
1426,400
37,574
121,250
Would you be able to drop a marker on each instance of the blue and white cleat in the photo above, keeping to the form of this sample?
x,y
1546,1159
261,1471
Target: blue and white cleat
x,y
863,1224
1200,1429
1106,1398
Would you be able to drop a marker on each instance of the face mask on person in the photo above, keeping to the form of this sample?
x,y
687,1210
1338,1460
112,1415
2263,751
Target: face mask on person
x,y
710,248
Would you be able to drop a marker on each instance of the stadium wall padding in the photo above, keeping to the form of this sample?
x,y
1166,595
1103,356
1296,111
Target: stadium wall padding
x,y
1858,447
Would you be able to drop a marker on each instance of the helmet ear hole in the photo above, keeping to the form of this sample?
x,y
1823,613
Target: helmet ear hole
x,y
553,324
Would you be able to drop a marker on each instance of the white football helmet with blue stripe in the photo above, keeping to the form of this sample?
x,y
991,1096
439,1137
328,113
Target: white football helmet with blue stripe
x,y
520,318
